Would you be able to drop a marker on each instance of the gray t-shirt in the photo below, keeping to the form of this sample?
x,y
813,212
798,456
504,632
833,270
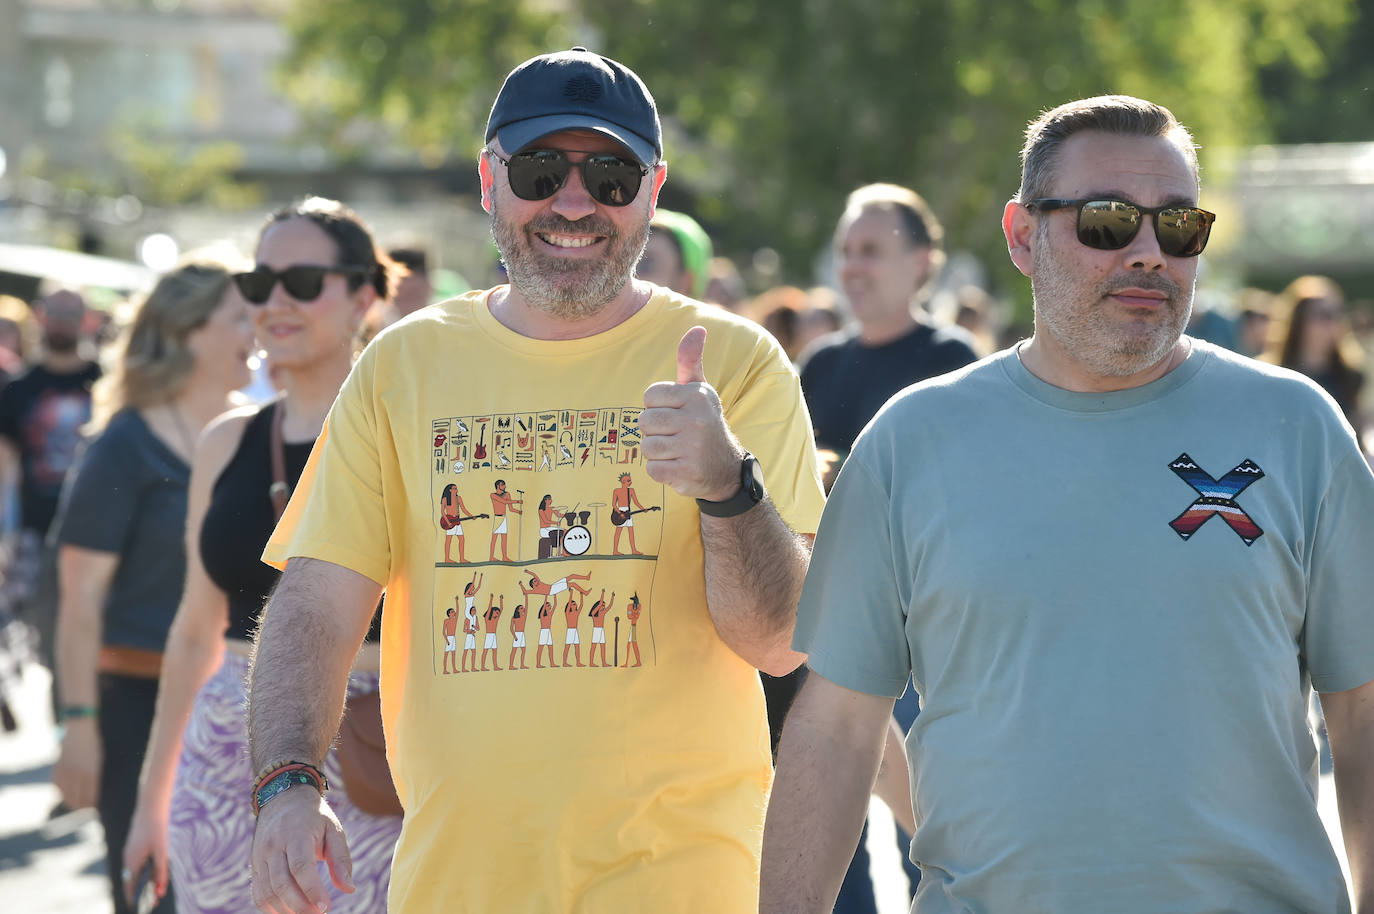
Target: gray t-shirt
x,y
1113,606
127,495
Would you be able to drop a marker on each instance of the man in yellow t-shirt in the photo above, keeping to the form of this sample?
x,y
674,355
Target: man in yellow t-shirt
x,y
629,786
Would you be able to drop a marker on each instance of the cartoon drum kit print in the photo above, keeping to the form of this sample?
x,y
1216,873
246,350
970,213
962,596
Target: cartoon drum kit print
x,y
577,539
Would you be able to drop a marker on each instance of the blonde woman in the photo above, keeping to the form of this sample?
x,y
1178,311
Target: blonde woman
x,y
119,531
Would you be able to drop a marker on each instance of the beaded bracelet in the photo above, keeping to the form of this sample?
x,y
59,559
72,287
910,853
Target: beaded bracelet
x,y
77,712
279,777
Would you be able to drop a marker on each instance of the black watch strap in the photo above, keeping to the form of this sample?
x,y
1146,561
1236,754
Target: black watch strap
x,y
751,492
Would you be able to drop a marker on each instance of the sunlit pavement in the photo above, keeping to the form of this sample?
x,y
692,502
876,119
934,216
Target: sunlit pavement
x,y
47,866
58,866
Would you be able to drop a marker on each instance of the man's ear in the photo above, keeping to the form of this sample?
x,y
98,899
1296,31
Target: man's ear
x,y
658,175
1019,228
488,179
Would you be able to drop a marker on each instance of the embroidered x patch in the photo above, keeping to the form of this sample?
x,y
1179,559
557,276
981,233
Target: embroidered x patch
x,y
1216,496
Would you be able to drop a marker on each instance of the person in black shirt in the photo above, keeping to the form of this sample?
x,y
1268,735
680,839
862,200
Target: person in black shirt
x,y
118,533
888,248
888,251
42,412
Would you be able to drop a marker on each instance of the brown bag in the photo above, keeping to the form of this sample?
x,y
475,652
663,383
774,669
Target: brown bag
x,y
362,744
362,757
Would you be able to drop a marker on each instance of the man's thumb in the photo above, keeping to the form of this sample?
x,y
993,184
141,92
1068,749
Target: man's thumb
x,y
689,353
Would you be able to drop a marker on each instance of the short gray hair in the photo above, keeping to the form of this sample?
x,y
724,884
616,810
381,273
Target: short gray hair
x,y
1120,114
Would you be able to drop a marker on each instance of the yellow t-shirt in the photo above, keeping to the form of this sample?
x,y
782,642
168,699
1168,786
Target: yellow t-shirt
x,y
556,785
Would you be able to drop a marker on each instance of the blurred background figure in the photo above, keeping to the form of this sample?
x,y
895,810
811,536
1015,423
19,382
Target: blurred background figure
x,y
677,255
888,250
724,285
119,532
414,290
14,320
42,411
318,272
974,310
1311,335
1210,319
779,311
1254,315
821,317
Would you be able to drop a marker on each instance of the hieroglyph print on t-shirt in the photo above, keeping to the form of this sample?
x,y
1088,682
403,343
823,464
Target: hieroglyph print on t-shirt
x,y
548,532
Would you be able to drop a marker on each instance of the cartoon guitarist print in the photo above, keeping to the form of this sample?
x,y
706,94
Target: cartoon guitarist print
x,y
452,513
623,505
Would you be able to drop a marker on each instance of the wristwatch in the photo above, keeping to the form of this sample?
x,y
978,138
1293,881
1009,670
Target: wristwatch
x,y
751,491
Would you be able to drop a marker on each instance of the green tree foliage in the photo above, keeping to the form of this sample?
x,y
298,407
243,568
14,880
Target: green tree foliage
x,y
778,108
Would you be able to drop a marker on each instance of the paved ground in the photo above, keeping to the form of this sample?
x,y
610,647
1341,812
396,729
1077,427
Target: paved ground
x,y
57,866
46,866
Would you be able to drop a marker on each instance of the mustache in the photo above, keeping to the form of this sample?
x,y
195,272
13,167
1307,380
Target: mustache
x,y
588,225
1147,281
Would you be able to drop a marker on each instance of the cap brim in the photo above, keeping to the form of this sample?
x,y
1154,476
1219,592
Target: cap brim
x,y
515,137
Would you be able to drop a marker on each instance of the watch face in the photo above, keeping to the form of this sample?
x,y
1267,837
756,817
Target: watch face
x,y
753,478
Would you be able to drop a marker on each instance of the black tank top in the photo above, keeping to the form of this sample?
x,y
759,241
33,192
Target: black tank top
x,y
240,519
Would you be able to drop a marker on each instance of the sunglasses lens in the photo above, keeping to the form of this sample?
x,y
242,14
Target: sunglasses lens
x,y
612,181
1183,232
1107,224
538,175
303,283
256,287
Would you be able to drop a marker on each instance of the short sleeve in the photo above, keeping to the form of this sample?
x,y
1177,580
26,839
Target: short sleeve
x,y
1338,634
337,512
851,621
102,494
771,421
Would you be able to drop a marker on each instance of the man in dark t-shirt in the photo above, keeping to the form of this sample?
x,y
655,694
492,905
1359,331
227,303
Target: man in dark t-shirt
x,y
888,251
888,248
42,411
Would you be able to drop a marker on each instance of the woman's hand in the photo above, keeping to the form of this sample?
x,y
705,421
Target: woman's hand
x,y
146,845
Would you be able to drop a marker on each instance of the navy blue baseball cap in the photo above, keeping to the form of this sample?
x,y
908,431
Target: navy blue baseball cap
x,y
576,90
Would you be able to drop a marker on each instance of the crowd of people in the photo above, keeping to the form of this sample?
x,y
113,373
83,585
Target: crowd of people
x,y
880,536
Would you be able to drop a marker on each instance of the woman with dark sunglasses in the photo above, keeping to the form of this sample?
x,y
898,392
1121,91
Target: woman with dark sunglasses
x,y
1311,335
318,271
118,530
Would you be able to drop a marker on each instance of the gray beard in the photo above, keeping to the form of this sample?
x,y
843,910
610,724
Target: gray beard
x,y
565,289
1091,338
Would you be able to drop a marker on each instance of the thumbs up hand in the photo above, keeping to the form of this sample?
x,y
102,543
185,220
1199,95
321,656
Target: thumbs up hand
x,y
687,444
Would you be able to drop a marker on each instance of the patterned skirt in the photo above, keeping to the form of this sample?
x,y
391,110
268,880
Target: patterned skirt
x,y
211,830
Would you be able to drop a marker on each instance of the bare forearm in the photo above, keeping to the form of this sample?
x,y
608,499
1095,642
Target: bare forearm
x,y
1355,800
1350,725
754,570
301,659
893,785
78,649
827,762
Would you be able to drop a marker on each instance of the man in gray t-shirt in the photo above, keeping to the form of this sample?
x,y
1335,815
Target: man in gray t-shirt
x,y
1116,561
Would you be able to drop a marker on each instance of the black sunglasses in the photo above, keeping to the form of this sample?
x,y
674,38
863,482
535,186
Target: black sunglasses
x,y
303,283
1110,225
539,173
